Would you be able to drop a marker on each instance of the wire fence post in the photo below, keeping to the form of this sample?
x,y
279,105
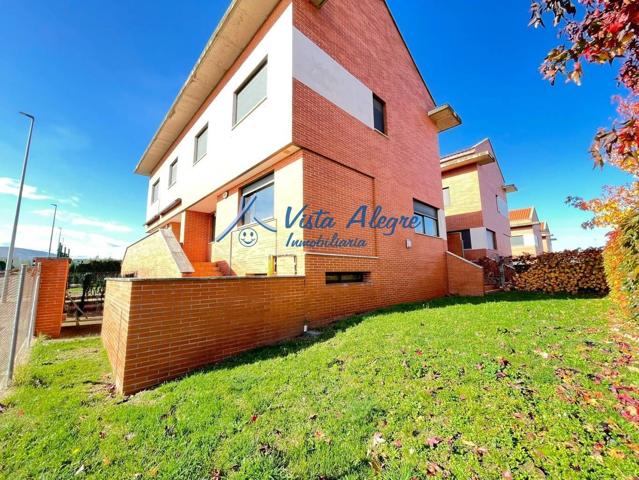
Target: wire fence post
x,y
16,324
34,306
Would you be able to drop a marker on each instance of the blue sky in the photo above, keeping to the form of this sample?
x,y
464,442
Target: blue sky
x,y
100,76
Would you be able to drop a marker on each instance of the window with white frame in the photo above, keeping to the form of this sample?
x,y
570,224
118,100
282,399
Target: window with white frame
x,y
251,93
517,240
155,191
428,219
261,193
446,192
201,144
173,172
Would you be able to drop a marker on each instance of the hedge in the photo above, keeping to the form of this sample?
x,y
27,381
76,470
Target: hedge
x,y
621,261
569,271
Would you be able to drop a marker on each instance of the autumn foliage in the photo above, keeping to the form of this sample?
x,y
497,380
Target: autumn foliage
x,y
570,271
621,261
606,32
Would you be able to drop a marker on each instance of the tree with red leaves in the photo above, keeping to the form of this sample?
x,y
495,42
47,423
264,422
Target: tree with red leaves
x,y
607,33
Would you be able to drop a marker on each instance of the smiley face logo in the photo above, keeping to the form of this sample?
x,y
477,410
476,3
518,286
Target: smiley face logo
x,y
248,237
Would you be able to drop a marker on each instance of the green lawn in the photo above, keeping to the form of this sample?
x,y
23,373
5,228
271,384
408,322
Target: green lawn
x,y
512,386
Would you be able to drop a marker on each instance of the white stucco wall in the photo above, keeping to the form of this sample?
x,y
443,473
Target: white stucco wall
x,y
234,150
318,71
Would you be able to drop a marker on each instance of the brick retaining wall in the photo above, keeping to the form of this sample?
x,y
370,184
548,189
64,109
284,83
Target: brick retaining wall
x,y
158,329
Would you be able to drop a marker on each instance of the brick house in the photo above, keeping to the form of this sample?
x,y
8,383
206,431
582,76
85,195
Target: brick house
x,y
475,203
294,107
529,235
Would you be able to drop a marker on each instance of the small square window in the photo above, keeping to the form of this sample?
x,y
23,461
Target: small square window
x,y
517,240
427,219
155,191
201,141
173,172
379,114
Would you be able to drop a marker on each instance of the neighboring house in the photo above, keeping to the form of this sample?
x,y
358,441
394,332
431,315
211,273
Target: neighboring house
x,y
546,238
475,202
290,105
527,233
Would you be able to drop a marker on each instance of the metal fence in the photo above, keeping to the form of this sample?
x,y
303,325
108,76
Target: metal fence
x,y
17,319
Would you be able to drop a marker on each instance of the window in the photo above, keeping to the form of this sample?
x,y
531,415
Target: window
x,y
346,277
427,217
173,172
517,240
201,140
262,192
250,94
502,206
155,191
379,114
446,191
491,240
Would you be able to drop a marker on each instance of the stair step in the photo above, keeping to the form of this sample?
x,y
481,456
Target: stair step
x,y
205,269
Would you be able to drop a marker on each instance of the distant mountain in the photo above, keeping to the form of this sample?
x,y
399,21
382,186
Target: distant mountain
x,y
21,255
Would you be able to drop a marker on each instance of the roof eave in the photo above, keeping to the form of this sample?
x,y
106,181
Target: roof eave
x,y
444,117
238,26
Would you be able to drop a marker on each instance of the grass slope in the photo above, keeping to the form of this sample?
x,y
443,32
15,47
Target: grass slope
x,y
513,386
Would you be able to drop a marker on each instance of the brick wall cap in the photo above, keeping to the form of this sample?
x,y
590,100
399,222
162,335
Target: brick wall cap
x,y
198,279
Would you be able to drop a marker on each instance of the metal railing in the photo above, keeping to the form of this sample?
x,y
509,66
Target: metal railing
x,y
17,319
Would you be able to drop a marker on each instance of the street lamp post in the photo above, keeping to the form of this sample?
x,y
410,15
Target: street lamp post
x,y
7,270
52,228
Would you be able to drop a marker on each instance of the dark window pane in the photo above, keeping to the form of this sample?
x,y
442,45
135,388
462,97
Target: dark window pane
x,y
378,114
465,234
345,277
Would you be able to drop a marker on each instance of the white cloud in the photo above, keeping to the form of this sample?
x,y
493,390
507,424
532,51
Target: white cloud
x,y
81,220
81,244
9,186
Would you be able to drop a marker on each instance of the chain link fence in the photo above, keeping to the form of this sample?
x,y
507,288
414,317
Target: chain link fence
x,y
17,319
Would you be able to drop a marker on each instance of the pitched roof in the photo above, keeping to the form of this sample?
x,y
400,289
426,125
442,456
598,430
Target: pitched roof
x,y
520,214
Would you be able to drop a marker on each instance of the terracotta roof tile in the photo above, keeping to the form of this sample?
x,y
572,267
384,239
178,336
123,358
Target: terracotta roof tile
x,y
520,214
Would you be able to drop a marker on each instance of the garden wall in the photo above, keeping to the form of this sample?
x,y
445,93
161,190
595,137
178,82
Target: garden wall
x,y
53,287
158,329
464,277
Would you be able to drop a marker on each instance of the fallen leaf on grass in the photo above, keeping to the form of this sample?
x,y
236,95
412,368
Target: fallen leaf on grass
x,y
153,472
542,354
432,442
506,475
433,469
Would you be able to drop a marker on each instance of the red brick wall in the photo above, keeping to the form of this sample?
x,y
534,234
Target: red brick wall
x,y
344,160
197,235
115,325
464,221
464,277
172,326
456,244
53,285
